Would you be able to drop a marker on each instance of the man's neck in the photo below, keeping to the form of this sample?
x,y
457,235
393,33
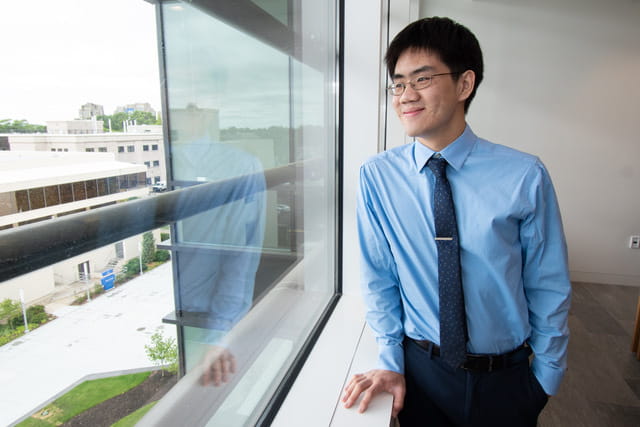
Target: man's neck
x,y
439,139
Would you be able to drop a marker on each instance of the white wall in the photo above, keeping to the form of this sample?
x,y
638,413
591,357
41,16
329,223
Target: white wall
x,y
360,118
35,285
561,82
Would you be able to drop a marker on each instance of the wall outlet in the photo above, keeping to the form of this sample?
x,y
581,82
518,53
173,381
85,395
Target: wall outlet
x,y
634,242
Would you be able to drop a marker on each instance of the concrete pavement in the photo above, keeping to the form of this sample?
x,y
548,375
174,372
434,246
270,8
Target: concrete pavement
x,y
107,334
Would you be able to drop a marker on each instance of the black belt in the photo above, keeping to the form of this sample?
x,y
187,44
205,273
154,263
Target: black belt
x,y
483,362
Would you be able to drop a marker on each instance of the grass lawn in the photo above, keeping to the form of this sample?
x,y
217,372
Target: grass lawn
x,y
131,419
84,396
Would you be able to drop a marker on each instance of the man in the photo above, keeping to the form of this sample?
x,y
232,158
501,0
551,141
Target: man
x,y
502,253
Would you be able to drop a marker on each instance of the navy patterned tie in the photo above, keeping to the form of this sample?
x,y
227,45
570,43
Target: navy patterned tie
x,y
453,326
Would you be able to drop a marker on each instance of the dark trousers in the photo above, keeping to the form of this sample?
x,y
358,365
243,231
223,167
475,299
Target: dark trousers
x,y
438,395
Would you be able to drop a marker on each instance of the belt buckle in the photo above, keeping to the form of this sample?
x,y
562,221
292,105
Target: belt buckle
x,y
477,363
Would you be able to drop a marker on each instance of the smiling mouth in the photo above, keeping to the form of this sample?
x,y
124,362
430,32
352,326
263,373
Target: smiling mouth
x,y
412,112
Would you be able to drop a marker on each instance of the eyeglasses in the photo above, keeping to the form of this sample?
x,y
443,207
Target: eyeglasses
x,y
419,83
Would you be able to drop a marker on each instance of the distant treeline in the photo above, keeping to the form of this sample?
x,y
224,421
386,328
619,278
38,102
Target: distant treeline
x,y
140,117
20,126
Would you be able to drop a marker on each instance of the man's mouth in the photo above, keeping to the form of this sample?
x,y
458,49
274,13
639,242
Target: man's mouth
x,y
411,113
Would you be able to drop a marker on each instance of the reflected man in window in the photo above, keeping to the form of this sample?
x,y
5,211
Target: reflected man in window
x,y
218,250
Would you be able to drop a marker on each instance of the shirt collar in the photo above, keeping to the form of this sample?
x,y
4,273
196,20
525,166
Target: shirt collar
x,y
455,153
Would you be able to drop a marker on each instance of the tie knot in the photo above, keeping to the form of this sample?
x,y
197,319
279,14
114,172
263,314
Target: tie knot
x,y
438,166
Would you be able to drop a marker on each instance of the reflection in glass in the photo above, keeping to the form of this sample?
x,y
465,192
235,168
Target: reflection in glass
x,y
251,114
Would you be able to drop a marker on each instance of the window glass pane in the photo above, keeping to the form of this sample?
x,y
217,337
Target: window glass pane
x,y
52,195
253,136
113,184
66,193
8,203
36,198
123,182
102,187
22,200
92,189
79,191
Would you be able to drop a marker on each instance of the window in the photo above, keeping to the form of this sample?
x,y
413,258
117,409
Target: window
x,y
102,149
92,188
154,147
52,195
102,187
145,148
120,149
22,200
89,150
66,193
261,221
36,198
156,163
131,148
147,164
79,191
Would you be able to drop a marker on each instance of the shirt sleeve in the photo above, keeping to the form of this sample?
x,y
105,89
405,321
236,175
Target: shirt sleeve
x,y
379,279
546,281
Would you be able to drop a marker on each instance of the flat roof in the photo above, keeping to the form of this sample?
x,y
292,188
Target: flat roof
x,y
20,170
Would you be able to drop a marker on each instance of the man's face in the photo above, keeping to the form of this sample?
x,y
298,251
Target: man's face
x,y
435,114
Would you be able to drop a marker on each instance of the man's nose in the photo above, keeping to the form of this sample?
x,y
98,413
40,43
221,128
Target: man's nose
x,y
409,94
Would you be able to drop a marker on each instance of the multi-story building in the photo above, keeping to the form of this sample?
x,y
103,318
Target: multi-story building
x,y
90,110
38,186
143,148
138,106
75,127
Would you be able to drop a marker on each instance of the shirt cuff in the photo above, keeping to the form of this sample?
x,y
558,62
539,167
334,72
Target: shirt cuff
x,y
548,377
391,357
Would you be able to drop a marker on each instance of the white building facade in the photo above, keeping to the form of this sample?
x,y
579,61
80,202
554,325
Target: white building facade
x,y
142,146
37,186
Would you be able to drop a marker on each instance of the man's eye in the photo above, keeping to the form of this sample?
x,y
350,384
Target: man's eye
x,y
397,85
422,79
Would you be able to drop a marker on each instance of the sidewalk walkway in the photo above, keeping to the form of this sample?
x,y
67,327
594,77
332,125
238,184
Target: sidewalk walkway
x,y
107,334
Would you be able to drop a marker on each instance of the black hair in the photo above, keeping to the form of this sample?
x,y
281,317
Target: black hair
x,y
456,46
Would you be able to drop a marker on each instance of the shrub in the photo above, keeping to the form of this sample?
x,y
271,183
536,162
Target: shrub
x,y
148,247
164,236
35,315
132,267
162,255
9,309
18,332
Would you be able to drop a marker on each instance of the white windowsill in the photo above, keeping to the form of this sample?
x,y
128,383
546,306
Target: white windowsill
x,y
346,346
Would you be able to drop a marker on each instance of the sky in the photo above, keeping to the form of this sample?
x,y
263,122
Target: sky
x,y
59,55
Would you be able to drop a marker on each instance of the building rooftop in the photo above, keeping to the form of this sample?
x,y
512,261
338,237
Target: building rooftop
x,y
28,169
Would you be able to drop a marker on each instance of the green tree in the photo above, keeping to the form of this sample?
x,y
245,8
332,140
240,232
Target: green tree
x,y
140,117
20,126
9,309
163,352
148,247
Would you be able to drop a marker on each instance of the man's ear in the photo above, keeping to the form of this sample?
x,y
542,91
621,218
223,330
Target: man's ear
x,y
466,83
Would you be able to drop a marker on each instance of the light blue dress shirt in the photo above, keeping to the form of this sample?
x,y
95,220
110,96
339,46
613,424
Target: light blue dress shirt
x,y
512,251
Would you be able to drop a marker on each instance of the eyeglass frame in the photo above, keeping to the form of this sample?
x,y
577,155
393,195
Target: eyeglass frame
x,y
412,83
